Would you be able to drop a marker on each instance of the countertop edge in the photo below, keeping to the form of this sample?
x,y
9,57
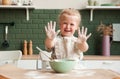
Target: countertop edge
x,y
86,57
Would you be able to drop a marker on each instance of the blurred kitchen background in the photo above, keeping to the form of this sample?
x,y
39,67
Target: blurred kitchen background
x,y
47,10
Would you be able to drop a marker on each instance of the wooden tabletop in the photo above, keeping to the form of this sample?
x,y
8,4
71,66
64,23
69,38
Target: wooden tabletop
x,y
86,57
99,57
12,72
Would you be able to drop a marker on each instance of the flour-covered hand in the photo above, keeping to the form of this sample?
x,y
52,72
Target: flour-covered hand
x,y
82,35
50,30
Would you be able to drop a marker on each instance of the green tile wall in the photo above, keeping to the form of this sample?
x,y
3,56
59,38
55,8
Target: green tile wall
x,y
34,28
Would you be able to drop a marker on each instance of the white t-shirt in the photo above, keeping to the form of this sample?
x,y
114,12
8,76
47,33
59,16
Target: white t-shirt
x,y
66,47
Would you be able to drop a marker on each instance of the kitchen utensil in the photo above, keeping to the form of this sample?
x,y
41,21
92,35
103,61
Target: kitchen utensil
x,y
62,65
5,44
41,51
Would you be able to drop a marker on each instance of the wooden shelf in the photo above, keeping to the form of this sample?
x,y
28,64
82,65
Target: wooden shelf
x,y
18,7
102,7
92,8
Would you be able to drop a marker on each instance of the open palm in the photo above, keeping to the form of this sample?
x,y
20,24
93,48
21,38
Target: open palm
x,y
82,35
50,30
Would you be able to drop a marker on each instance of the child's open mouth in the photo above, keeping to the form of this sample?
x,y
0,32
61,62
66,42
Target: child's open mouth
x,y
67,30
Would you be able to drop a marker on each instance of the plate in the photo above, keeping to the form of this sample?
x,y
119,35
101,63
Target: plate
x,y
107,5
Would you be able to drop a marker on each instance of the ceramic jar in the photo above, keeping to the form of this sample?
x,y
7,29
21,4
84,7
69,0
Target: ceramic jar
x,y
6,2
91,2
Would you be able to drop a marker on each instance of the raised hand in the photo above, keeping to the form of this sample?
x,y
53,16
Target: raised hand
x,y
50,30
82,35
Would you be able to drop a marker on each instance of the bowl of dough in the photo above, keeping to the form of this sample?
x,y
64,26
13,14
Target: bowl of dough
x,y
62,65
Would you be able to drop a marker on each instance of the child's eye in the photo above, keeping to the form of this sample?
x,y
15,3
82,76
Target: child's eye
x,y
72,24
64,23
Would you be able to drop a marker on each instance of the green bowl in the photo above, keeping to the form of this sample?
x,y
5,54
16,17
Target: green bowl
x,y
62,66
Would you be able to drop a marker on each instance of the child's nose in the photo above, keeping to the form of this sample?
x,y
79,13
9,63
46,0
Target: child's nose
x,y
67,26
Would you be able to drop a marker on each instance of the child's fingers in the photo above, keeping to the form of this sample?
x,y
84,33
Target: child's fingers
x,y
46,29
50,25
82,31
89,35
54,26
85,32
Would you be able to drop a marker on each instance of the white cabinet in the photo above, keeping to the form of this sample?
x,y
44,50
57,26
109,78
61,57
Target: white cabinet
x,y
84,64
89,62
27,64
104,64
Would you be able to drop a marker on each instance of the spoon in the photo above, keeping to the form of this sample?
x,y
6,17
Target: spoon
x,y
41,51
5,44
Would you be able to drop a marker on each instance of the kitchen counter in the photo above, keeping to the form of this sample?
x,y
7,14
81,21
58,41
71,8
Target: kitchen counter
x,y
98,57
18,73
86,57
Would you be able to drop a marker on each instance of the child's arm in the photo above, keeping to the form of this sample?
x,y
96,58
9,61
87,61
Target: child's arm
x,y
51,34
82,39
49,43
83,46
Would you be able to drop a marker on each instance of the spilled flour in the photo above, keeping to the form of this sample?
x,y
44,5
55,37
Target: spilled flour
x,y
84,73
35,75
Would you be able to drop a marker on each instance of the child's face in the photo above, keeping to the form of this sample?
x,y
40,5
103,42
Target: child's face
x,y
68,25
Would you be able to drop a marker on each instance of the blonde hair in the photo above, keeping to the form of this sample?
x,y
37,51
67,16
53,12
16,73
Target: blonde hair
x,y
70,11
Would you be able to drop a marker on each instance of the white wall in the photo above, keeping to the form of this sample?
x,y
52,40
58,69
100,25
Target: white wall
x,y
61,4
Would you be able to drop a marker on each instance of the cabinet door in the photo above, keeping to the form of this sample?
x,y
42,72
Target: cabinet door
x,y
102,64
112,65
92,64
27,64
